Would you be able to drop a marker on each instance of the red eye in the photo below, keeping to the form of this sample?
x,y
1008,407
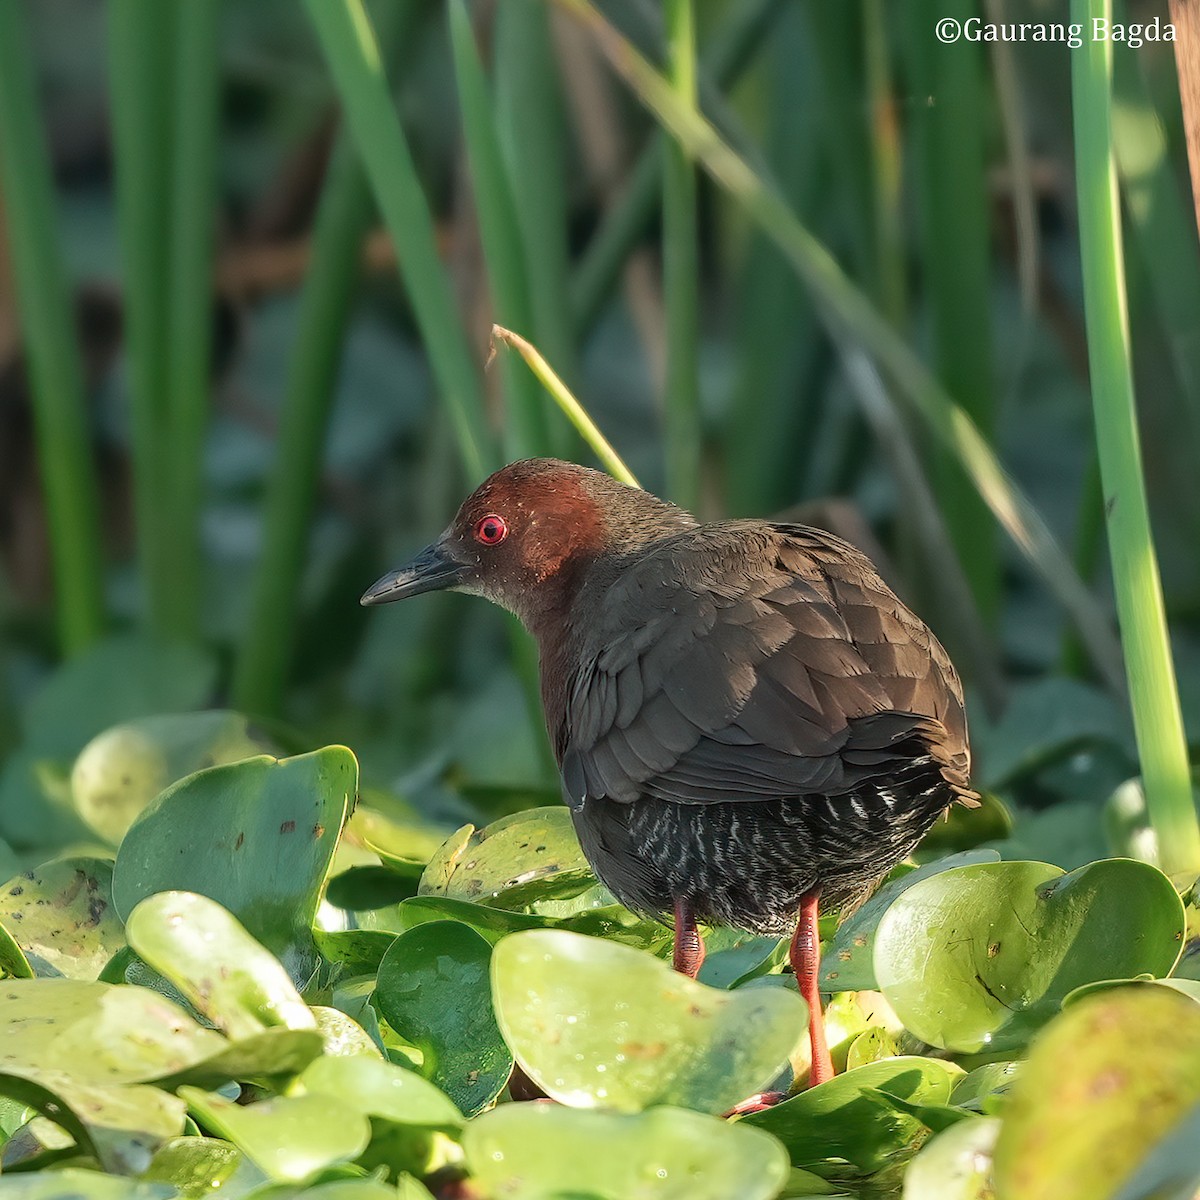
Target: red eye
x,y
491,530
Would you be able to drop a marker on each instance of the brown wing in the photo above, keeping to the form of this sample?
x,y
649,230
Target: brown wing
x,y
776,663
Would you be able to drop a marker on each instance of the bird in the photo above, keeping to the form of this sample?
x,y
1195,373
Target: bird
x,y
748,722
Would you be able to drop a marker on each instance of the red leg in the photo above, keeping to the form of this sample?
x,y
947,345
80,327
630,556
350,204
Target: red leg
x,y
689,945
806,959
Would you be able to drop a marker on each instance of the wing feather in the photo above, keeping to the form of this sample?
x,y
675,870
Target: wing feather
x,y
808,679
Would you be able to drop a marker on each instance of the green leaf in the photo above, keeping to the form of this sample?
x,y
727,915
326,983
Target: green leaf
x,y
343,1035
847,963
381,1089
256,836
434,990
872,1045
985,1088
410,1118
357,951
1103,1085
121,770
116,680
402,844
121,1126
954,1165
1044,721
61,915
532,1151
97,1032
1185,987
229,978
849,1120
595,1024
198,1166
616,923
290,1137
74,1184
532,855
366,887
982,956
13,963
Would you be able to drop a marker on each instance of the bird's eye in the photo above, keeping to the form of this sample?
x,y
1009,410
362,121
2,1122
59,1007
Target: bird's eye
x,y
491,530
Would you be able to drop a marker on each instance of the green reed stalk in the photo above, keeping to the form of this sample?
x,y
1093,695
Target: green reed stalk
x,y
730,50
1157,719
531,125
948,132
140,85
344,215
190,295
342,221
51,348
681,275
572,409
525,425
849,315
349,45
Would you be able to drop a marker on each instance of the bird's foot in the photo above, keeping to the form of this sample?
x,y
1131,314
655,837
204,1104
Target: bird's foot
x,y
759,1102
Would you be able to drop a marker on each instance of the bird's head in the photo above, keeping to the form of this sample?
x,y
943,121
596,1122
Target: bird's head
x,y
523,536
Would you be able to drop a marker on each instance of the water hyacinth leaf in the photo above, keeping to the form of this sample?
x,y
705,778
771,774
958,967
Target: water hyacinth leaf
x,y
121,770
408,1188
98,1032
733,956
849,1120
598,1025
35,802
1171,1171
434,990
531,855
342,1035
122,1126
207,954
1043,721
13,963
61,915
356,951
955,1164
335,1189
382,1089
982,956
404,845
257,836
847,964
288,1137
984,1088
366,887
872,1045
527,1151
1185,987
71,1183
1079,1134
264,1058
116,680
615,923
198,1166
410,1118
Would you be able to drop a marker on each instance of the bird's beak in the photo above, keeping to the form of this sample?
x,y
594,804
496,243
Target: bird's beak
x,y
432,570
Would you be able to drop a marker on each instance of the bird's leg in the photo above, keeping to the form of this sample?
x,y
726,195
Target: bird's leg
x,y
688,956
806,959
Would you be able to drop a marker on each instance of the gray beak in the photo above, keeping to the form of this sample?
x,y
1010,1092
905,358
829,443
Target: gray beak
x,y
430,571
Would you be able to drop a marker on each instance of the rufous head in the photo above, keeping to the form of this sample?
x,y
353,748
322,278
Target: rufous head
x,y
526,532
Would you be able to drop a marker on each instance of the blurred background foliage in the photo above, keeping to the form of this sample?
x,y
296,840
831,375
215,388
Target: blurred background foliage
x,y
275,410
